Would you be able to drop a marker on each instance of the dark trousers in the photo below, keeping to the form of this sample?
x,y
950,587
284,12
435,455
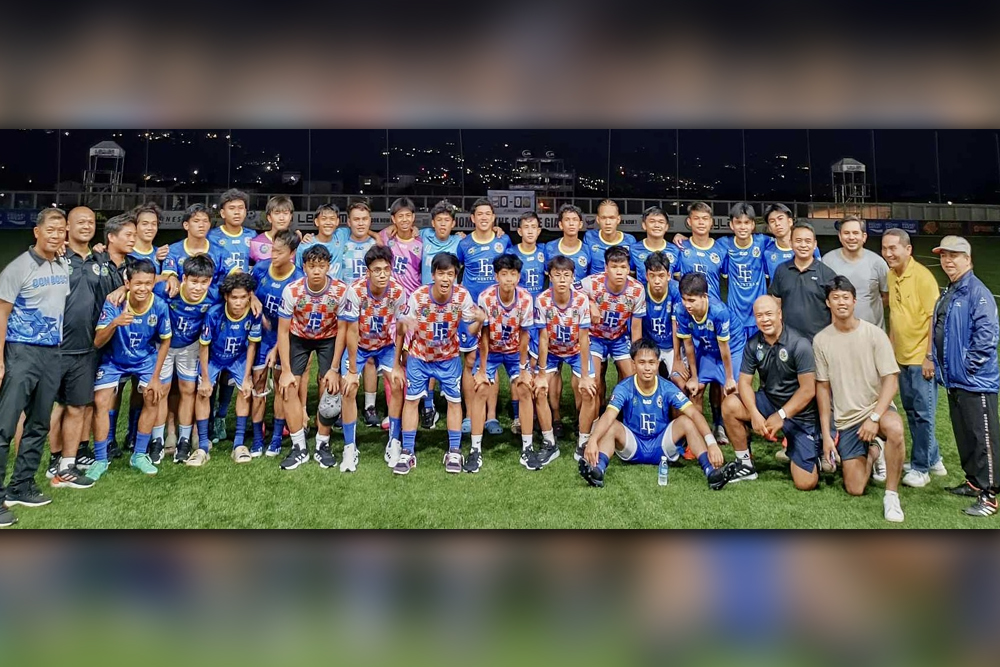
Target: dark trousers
x,y
30,384
974,421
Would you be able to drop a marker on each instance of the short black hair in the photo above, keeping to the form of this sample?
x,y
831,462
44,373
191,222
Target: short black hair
x,y
561,263
377,252
288,238
444,261
139,266
657,261
147,207
482,201
569,208
777,208
233,194
326,208
199,266
508,261
114,225
616,253
237,280
740,209
644,343
400,204
840,284
444,208
316,253
700,206
651,211
528,215
694,284
804,225
50,212
195,209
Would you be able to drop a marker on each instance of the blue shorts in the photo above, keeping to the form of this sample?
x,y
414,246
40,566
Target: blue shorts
x,y
110,374
466,341
237,369
264,348
648,450
574,362
850,446
510,361
618,349
710,368
385,359
448,374
533,342
805,440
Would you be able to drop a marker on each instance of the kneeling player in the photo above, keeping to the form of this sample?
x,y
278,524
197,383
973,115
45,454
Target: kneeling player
x,y
646,433
228,343
138,331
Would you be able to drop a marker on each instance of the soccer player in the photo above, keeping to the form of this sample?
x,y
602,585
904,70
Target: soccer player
x,y
327,221
703,325
231,238
606,235
147,224
228,342
662,298
406,245
187,318
433,313
375,303
702,254
278,214
785,402
571,245
136,337
780,223
618,304
308,322
655,224
272,276
196,223
532,258
564,312
646,432
745,271
856,371
509,318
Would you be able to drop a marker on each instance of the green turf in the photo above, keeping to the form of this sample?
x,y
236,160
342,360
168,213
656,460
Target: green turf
x,y
503,495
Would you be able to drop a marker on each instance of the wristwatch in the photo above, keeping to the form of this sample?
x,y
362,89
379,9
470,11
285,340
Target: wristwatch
x,y
875,417
781,413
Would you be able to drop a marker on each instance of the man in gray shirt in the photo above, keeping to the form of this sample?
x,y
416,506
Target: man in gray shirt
x,y
866,270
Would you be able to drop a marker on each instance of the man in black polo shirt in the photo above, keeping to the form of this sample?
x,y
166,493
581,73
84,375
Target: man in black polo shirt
x,y
786,400
798,285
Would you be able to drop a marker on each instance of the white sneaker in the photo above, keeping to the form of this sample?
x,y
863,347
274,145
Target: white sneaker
x,y
938,469
720,435
385,424
392,451
916,479
878,470
892,511
350,462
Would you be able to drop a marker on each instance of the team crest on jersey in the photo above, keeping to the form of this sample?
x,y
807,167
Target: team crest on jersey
x,y
498,247
760,354
715,258
710,325
582,261
364,303
204,308
541,257
472,251
659,402
756,251
100,374
222,242
152,319
96,268
774,257
425,311
104,270
783,354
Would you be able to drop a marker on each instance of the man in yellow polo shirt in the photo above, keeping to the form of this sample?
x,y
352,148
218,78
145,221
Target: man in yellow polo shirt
x,y
912,295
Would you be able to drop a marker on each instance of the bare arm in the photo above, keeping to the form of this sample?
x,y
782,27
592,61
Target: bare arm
x,y
603,425
636,328
823,402
802,396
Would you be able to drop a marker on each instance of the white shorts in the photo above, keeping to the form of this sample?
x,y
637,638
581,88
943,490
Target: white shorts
x,y
667,358
182,362
645,450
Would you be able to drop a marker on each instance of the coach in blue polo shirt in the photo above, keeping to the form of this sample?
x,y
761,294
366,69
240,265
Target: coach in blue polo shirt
x,y
33,290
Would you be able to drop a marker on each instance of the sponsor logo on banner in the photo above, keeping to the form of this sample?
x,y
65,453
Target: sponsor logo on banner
x,y
943,227
984,228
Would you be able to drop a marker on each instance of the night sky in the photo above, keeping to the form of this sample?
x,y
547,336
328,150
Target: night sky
x,y
643,162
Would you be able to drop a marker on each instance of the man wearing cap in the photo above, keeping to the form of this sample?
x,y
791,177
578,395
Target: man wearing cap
x,y
965,332
913,291
866,270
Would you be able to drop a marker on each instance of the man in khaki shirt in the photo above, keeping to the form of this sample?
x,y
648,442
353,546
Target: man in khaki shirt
x,y
856,379
912,295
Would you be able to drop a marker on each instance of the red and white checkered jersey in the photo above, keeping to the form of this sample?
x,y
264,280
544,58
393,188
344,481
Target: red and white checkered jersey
x,y
313,314
435,336
616,310
376,317
563,324
507,320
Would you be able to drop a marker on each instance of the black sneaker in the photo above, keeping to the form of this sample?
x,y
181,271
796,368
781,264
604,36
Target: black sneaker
x,y
744,473
183,450
156,451
371,417
473,462
85,458
295,458
719,477
324,457
28,495
593,476
430,419
578,452
114,451
985,506
529,459
72,479
547,454
7,517
53,468
558,430
964,489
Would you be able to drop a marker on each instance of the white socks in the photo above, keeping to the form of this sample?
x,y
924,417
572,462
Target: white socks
x,y
369,400
526,442
477,443
299,439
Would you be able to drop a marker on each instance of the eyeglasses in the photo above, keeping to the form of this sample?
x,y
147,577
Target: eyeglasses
x,y
379,272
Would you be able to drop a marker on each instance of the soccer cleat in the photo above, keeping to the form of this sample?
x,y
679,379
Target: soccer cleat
x,y
28,496
466,425
256,450
578,452
593,476
350,462
53,468
878,468
371,417
71,479
7,517
985,506
114,451
183,450
241,454
392,451
474,462
295,458
97,470
156,448
273,449
143,464
891,509
558,430
529,459
916,479
84,458
323,456
453,462
219,429
515,426
405,464
430,419
493,427
198,458
719,477
548,453
745,473
720,435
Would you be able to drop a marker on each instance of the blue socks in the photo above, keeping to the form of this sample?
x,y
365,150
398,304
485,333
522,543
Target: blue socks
x,y
241,429
113,424
716,416
409,441
706,466
395,427
602,461
203,438
349,431
225,398
141,443
429,400
454,440
133,423
101,450
515,408
258,434
276,437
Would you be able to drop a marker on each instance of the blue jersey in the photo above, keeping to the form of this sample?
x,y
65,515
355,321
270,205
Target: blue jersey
x,y
186,317
477,258
235,250
775,256
532,270
580,257
745,272
658,322
708,333
432,246
133,344
598,246
640,251
335,245
352,258
269,290
179,253
228,338
151,256
708,261
647,416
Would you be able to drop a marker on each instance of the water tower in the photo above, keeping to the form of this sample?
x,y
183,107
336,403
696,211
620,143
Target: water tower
x,y
104,172
850,185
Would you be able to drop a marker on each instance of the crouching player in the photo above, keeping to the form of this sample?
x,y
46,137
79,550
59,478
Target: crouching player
x,y
228,343
646,432
138,331
509,320
433,315
375,304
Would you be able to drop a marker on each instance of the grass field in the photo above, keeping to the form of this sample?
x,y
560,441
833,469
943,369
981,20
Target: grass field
x,y
502,495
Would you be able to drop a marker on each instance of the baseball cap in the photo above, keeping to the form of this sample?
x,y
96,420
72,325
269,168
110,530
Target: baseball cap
x,y
954,244
329,406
